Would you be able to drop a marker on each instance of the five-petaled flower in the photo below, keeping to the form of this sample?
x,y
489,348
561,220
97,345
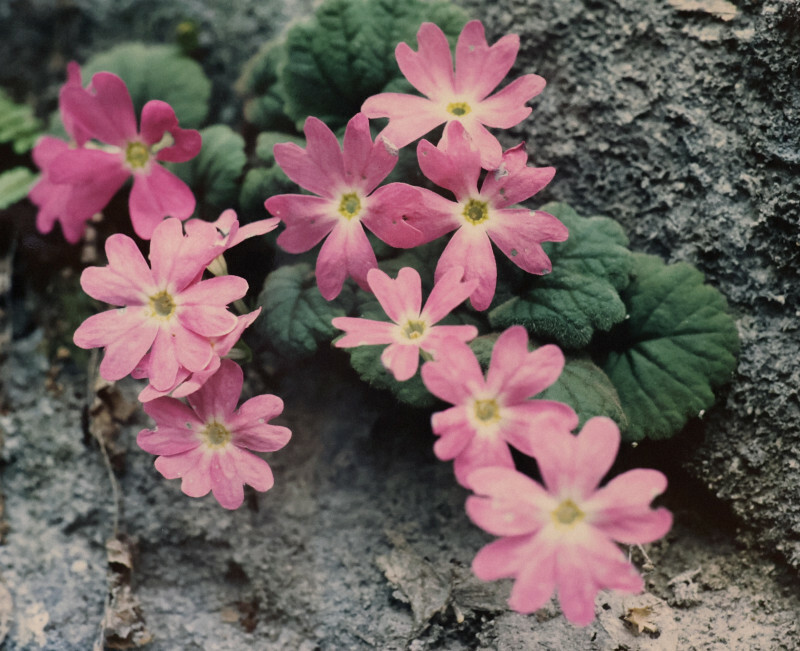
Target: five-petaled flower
x,y
560,536
492,412
166,309
414,329
459,96
345,180
80,181
206,443
480,217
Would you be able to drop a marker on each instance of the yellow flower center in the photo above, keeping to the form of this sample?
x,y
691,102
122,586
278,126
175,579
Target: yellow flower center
x,y
162,304
476,212
413,329
567,513
137,155
350,205
459,109
487,411
216,435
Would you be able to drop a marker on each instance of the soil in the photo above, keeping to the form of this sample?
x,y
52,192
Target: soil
x,y
679,119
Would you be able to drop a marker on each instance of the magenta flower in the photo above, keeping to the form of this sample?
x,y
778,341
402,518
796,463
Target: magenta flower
x,y
561,536
491,413
345,180
105,112
164,309
206,443
414,329
459,96
482,217
52,198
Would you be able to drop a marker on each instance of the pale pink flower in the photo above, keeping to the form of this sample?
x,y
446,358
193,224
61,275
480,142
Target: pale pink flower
x,y
456,96
105,112
480,217
345,180
164,309
206,443
561,536
491,413
414,329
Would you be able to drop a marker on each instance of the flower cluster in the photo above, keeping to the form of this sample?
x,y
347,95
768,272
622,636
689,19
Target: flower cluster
x,y
106,148
170,323
173,327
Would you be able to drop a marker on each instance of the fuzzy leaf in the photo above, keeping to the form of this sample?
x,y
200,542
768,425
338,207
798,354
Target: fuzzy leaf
x,y
259,184
214,173
157,72
587,389
580,295
18,125
296,318
345,53
14,185
679,344
267,140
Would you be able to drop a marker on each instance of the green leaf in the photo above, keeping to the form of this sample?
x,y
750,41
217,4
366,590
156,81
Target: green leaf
x,y
266,141
580,295
587,389
157,72
258,84
679,344
259,184
345,54
18,125
14,185
296,318
214,173
366,360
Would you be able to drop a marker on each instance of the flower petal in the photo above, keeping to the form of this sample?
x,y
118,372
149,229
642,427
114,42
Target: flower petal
x,y
482,452
507,108
455,373
106,112
218,397
410,117
455,432
479,68
156,194
402,360
471,249
537,579
362,332
430,68
400,298
621,509
454,164
226,485
448,292
307,220
519,233
346,252
501,559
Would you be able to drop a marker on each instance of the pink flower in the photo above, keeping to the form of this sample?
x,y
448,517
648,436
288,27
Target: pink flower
x,y
206,443
561,536
105,112
414,329
52,198
482,217
344,179
491,413
165,309
460,96
186,381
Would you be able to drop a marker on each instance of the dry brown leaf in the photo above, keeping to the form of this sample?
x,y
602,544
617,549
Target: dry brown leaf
x,y
123,622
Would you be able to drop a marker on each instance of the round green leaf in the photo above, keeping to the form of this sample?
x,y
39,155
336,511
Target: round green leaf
x,y
678,344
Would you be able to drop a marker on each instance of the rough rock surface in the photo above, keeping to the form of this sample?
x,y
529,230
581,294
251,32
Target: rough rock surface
x,y
681,119
678,118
